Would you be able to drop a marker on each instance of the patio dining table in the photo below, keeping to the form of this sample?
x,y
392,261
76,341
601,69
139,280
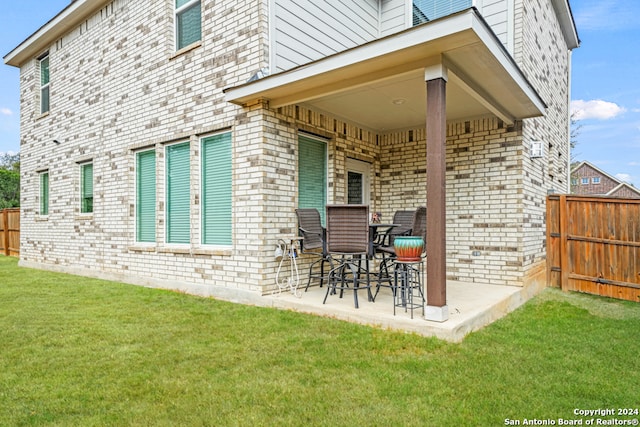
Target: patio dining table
x,y
377,232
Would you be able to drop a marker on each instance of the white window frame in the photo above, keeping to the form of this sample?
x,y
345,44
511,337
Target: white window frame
x,y
178,11
595,180
364,169
81,167
202,195
45,86
584,181
135,162
41,174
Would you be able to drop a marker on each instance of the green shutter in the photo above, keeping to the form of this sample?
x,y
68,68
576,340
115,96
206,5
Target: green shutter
x,y
86,203
188,25
178,194
146,196
312,174
216,190
44,193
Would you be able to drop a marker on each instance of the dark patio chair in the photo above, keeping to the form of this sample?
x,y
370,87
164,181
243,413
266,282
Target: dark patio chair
x,y
404,219
348,246
418,228
314,243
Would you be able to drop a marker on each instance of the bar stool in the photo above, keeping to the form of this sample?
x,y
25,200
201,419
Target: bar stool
x,y
408,285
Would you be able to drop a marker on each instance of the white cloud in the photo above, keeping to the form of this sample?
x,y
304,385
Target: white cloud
x,y
607,15
6,112
595,109
624,177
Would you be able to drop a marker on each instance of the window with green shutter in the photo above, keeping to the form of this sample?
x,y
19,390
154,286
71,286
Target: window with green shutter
x,y
146,196
44,84
44,193
178,202
86,188
312,173
216,190
188,22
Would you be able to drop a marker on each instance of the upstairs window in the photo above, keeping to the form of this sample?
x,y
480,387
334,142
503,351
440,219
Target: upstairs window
x,y
428,10
188,22
585,181
44,84
595,180
86,188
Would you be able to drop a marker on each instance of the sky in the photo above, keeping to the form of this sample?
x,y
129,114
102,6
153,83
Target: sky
x,y
605,94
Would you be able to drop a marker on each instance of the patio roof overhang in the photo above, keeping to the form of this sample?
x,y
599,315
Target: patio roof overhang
x,y
381,85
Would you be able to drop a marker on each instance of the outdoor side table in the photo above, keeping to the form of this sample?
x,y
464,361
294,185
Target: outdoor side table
x,y
407,280
287,250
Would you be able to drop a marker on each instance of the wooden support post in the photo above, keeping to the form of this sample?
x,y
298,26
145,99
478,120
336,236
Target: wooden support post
x,y
436,291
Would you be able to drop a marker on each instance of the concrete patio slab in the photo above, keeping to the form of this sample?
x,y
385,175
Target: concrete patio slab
x,y
471,307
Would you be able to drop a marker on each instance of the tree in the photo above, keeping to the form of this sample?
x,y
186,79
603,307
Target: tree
x,y
9,180
573,136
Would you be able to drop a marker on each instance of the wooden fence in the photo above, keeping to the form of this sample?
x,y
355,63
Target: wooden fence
x,y
593,245
10,232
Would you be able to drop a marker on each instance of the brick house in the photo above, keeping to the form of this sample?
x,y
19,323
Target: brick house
x,y
168,142
587,179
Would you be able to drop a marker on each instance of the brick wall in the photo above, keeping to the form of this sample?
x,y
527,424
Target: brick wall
x,y
117,86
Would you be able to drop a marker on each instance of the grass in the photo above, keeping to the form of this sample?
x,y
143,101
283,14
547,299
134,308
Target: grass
x,y
76,351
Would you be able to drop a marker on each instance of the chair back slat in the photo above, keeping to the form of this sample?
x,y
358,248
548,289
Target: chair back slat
x,y
404,219
310,228
348,229
419,227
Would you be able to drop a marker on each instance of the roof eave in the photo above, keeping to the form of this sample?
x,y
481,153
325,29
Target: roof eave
x,y
59,25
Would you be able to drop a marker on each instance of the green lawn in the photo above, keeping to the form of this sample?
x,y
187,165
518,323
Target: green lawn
x,y
83,352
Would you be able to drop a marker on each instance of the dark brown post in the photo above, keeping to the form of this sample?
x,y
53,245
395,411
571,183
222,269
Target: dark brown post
x,y
436,203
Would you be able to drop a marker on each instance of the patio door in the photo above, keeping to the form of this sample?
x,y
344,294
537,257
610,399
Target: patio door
x,y
358,182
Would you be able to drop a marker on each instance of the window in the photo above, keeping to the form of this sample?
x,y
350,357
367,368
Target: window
x,y
595,180
428,10
574,181
44,193
178,204
312,174
146,196
44,84
86,188
188,22
584,181
216,190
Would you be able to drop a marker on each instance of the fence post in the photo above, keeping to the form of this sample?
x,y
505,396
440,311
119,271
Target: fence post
x,y
564,264
5,231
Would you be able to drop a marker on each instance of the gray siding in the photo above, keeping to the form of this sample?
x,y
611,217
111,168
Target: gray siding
x,y
393,17
496,13
305,31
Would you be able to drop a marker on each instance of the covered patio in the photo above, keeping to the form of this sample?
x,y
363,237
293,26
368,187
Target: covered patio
x,y
450,69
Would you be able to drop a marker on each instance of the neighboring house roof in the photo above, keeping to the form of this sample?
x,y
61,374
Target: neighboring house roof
x,y
615,187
